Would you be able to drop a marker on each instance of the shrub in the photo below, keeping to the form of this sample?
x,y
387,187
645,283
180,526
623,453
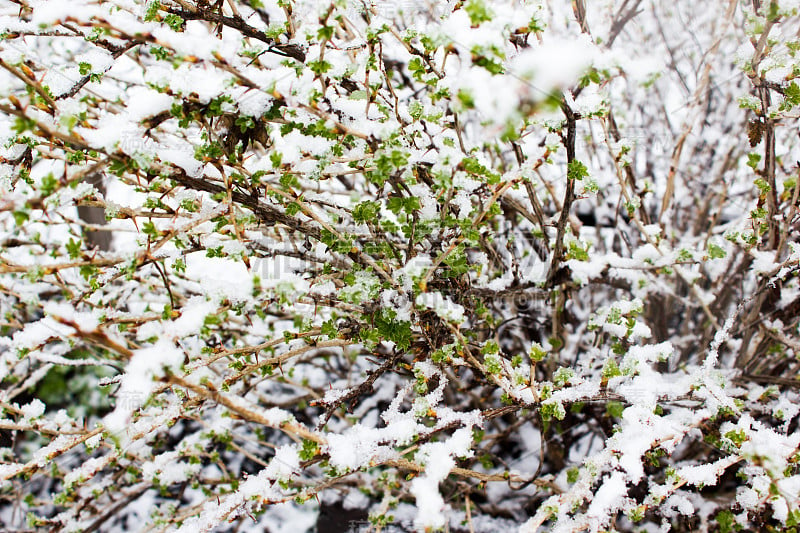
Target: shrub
x,y
465,265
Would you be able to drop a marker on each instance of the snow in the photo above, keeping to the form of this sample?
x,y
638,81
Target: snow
x,y
34,409
747,497
138,382
220,277
608,498
354,448
57,10
679,503
37,332
284,465
443,306
554,63
438,460
88,469
192,317
413,269
705,475
430,504
183,159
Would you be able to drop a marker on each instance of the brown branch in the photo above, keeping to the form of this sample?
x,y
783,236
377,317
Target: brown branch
x,y
287,50
241,408
569,195
31,82
115,54
621,19
278,360
366,387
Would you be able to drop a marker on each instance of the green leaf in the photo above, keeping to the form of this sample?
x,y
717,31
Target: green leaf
x,y
792,94
309,450
319,67
537,353
763,186
552,409
726,521
611,369
753,159
366,212
478,12
614,409
215,106
492,364
398,332
494,67
408,204
245,123
74,248
49,185
715,251
20,217
149,228
152,11
576,170
174,21
572,475
562,376
329,328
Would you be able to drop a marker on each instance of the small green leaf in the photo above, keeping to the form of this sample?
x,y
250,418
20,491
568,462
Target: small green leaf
x,y
715,251
576,170
572,475
74,248
614,409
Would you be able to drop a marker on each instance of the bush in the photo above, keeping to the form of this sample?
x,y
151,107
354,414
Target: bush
x,y
459,265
